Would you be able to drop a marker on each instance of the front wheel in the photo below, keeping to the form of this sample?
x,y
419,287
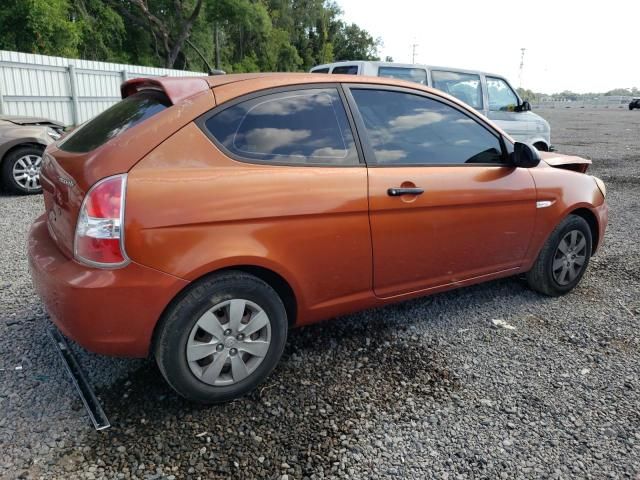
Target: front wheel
x,y
563,259
221,338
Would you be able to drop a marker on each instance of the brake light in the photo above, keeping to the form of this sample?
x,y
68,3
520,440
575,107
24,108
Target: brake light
x,y
99,236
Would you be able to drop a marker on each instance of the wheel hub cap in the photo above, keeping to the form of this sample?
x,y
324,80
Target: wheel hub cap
x,y
570,257
228,342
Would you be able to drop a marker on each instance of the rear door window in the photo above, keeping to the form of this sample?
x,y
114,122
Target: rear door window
x,y
418,75
321,70
122,116
307,126
464,86
346,70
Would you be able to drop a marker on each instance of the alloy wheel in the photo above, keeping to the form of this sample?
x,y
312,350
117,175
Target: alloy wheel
x,y
26,172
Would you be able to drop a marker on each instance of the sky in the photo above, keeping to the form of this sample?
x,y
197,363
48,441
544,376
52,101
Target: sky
x,y
580,46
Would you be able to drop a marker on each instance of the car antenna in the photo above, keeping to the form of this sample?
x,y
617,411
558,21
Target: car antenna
x,y
210,71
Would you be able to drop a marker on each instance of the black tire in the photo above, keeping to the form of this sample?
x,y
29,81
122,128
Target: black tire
x,y
9,184
174,329
541,277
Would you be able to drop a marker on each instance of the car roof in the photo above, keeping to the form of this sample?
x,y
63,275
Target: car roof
x,y
270,80
236,85
406,65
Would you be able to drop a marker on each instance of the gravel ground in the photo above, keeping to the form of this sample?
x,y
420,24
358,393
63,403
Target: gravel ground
x,y
424,389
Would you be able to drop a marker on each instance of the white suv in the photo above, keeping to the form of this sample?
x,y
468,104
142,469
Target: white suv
x,y
490,94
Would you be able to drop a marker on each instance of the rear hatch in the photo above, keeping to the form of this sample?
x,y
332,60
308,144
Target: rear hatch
x,y
113,142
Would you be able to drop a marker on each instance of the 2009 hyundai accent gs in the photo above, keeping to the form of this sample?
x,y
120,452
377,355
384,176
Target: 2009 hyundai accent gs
x,y
200,218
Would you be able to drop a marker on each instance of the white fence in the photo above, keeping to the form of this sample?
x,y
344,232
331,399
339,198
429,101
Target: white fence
x,y
68,90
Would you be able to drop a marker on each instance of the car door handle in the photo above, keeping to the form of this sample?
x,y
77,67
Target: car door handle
x,y
396,192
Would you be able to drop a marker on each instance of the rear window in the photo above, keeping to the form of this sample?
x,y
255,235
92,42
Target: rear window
x,y
123,115
346,70
418,75
298,127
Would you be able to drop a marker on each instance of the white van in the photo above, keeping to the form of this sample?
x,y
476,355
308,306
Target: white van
x,y
490,94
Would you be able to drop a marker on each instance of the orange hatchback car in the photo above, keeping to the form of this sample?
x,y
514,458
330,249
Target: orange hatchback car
x,y
200,218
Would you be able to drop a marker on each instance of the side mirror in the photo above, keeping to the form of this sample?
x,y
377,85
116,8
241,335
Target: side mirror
x,y
525,106
525,155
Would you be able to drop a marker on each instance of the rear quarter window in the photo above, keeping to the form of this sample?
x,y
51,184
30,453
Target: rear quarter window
x,y
122,116
307,126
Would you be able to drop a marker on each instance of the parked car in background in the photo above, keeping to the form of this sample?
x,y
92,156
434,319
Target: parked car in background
x,y
635,103
490,94
200,218
22,141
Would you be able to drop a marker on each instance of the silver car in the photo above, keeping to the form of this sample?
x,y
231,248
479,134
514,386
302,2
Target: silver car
x,y
490,94
22,141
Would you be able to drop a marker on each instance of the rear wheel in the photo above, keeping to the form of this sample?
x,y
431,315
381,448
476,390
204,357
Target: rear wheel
x,y
563,259
21,170
222,338
541,146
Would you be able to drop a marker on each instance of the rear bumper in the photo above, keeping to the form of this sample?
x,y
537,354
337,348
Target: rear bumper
x,y
111,312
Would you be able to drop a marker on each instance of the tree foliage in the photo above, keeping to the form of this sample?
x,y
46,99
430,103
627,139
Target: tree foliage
x,y
253,35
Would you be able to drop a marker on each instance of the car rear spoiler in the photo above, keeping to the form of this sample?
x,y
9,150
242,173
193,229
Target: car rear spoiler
x,y
176,89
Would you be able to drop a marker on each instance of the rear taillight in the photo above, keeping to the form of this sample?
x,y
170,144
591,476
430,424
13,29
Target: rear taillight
x,y
99,233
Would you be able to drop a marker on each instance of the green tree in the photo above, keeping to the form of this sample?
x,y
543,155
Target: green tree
x,y
170,23
39,26
353,43
252,35
102,29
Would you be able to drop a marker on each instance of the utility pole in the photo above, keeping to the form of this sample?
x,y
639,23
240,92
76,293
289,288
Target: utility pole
x,y
413,52
522,50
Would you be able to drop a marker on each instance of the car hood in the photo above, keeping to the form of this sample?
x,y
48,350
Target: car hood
x,y
18,120
568,162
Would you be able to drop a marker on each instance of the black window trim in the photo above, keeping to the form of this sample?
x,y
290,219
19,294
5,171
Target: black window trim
x,y
202,119
463,73
369,154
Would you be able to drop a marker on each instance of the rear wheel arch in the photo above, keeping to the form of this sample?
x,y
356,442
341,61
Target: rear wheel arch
x,y
276,281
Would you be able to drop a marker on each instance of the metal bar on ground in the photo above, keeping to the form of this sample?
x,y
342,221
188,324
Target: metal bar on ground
x,y
88,397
